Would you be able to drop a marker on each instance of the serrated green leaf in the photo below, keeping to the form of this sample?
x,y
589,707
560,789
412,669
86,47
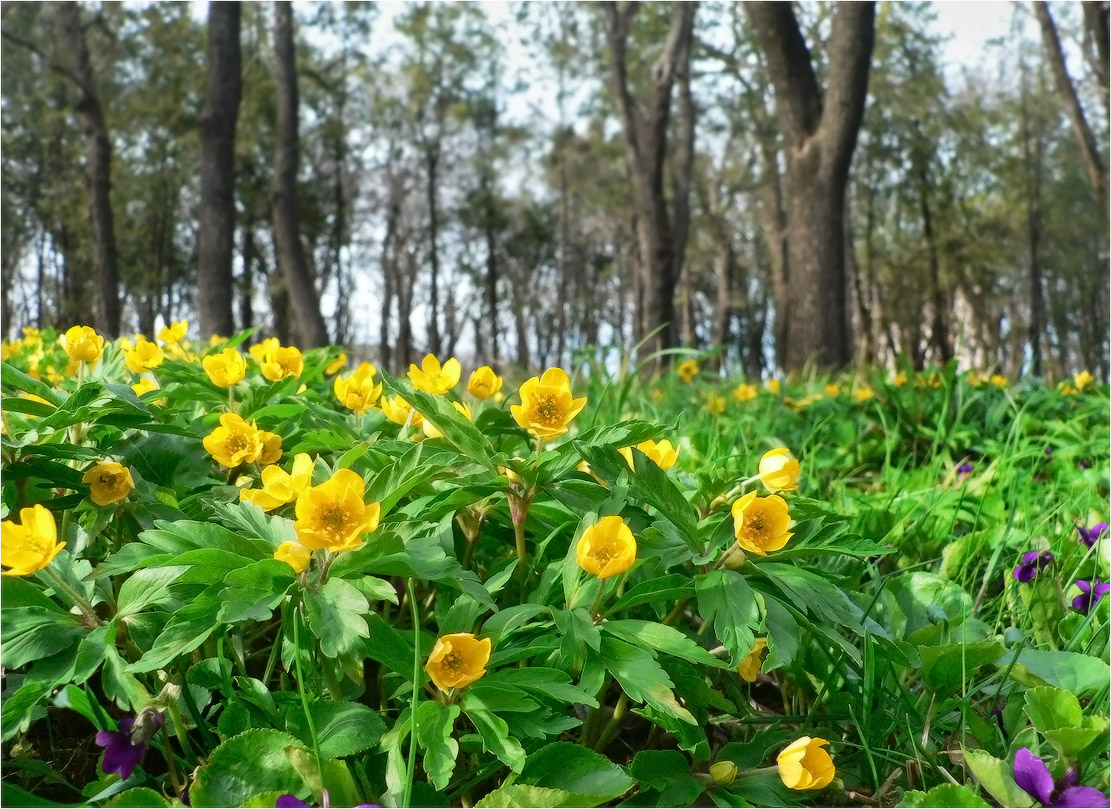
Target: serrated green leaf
x,y
642,678
435,723
336,617
995,775
573,768
726,600
651,636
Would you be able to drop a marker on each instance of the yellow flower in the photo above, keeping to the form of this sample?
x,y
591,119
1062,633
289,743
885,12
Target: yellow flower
x,y
432,431
773,386
998,380
83,343
280,487
744,393
29,547
7,349
358,391
607,548
295,555
663,453
282,362
175,332
225,368
974,379
457,660
899,379
863,393
687,370
109,482
271,447
760,523
234,442
216,339
715,404
833,391
144,386
333,514
484,383
803,764
778,472
433,378
143,356
1083,380
1067,389
260,351
336,365
401,412
31,336
750,666
547,406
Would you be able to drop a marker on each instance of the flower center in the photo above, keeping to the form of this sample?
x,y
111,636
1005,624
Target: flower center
x,y
604,552
453,662
108,479
547,409
236,443
333,517
755,523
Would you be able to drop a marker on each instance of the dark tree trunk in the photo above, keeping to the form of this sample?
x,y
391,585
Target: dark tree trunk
x,y
820,135
645,135
291,254
432,162
98,159
247,283
216,231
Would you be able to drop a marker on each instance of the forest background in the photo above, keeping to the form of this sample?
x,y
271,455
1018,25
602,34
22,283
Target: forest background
x,y
773,183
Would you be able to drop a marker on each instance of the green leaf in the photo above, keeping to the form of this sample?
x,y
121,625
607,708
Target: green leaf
x,y
663,590
552,684
14,379
495,734
726,600
652,485
137,799
783,634
642,678
510,619
254,761
573,768
946,795
185,631
651,636
16,591
435,723
946,668
19,708
995,775
1069,742
668,773
525,796
389,647
252,592
1050,708
336,617
32,633
342,728
147,587
1079,673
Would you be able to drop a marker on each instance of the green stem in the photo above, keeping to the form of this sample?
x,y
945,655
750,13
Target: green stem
x,y
610,730
518,510
676,611
301,690
412,763
179,731
91,618
175,779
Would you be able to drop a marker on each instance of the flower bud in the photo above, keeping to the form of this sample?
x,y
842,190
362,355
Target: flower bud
x,y
722,773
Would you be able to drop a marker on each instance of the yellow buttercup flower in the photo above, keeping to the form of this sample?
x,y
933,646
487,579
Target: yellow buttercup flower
x,y
484,383
744,393
547,406
216,339
434,378
143,356
863,393
336,365
779,472
32,336
750,666
899,380
687,370
294,554
803,764
7,349
974,379
773,386
607,548
333,514
1083,380
457,660
715,404
432,431
282,362
109,482
833,391
260,351
175,332
401,412
1067,390
760,523
663,453
225,368
358,391
998,380
144,386
83,343
30,545
234,442
271,448
280,487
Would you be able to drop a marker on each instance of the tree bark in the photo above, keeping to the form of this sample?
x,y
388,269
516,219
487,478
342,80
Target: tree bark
x,y
98,159
645,136
216,230
820,136
283,195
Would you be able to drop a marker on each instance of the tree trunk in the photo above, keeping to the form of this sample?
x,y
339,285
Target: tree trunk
x,y
432,162
216,230
645,135
283,196
820,135
98,159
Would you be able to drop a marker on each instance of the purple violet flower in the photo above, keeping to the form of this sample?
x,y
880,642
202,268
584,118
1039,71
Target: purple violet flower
x,y
1032,562
1090,536
1033,776
1090,594
124,748
291,802
965,469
